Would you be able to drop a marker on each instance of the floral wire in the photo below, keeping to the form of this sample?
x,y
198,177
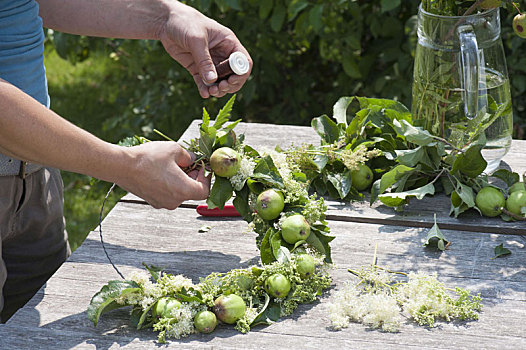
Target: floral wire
x,y
100,231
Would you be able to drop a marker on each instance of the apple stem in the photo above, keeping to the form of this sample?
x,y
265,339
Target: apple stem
x,y
516,7
513,215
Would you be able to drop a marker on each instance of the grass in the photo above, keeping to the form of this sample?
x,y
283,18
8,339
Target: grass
x,y
86,95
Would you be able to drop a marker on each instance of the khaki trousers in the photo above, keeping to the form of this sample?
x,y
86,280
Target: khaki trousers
x,y
33,236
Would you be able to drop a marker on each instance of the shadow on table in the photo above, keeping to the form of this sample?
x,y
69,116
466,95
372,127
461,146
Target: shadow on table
x,y
114,328
469,262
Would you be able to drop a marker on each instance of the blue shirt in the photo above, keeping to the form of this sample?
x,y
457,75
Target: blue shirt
x,y
22,48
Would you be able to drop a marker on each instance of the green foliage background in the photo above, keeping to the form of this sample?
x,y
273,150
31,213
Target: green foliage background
x,y
306,53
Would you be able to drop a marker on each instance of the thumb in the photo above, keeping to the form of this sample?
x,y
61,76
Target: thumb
x,y
203,60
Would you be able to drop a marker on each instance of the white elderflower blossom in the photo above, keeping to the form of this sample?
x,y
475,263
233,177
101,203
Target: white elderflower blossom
x,y
377,310
246,169
171,284
181,322
382,311
140,277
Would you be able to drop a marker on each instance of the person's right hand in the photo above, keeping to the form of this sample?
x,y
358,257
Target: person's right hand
x,y
156,175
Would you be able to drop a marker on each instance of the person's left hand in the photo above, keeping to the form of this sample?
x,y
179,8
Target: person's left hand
x,y
199,43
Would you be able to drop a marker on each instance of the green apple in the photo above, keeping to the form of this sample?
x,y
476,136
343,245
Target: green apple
x,y
517,186
205,321
295,228
516,201
229,308
490,201
305,265
269,204
519,25
277,285
225,162
164,307
362,178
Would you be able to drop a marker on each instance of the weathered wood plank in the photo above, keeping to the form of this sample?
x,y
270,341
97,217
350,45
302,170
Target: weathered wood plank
x,y
419,213
137,233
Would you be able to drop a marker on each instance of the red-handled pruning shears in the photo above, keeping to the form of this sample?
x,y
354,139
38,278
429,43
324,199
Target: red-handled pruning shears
x,y
228,210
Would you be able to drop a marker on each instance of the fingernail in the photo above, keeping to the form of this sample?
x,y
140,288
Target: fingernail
x,y
210,76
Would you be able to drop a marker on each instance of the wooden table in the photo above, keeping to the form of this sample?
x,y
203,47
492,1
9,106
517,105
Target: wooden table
x,y
134,233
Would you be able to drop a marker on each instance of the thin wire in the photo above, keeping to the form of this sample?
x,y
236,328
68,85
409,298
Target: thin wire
x,y
100,232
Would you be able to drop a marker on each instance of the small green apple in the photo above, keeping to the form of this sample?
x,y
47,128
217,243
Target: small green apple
x,y
269,204
519,25
362,178
295,228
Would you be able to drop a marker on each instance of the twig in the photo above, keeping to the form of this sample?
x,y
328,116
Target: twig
x,y
513,215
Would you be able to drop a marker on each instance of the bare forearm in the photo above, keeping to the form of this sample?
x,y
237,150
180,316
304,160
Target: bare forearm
x,y
31,132
128,19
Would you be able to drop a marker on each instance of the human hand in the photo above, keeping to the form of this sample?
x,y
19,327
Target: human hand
x,y
199,44
157,176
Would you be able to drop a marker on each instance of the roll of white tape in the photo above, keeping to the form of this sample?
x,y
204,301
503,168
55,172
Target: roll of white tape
x,y
238,63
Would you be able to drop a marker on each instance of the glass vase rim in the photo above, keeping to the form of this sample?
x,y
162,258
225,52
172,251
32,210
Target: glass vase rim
x,y
474,15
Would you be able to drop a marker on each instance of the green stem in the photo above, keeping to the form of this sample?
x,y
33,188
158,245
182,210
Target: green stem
x,y
162,135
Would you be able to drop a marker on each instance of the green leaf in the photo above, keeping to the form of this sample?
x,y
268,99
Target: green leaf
x,y
320,242
278,17
220,193
241,204
342,182
224,113
267,173
267,256
206,142
350,67
326,128
295,7
104,300
507,176
411,157
143,317
395,199
340,109
185,296
316,17
269,313
154,271
413,134
391,177
470,163
388,5
264,8
435,238
500,251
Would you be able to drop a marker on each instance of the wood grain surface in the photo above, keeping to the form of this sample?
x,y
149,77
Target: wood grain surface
x,y
134,233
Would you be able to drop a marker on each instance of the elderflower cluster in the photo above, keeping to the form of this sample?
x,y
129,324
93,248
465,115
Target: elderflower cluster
x,y
377,310
294,190
378,300
353,158
314,210
146,297
171,284
181,322
246,169
425,299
